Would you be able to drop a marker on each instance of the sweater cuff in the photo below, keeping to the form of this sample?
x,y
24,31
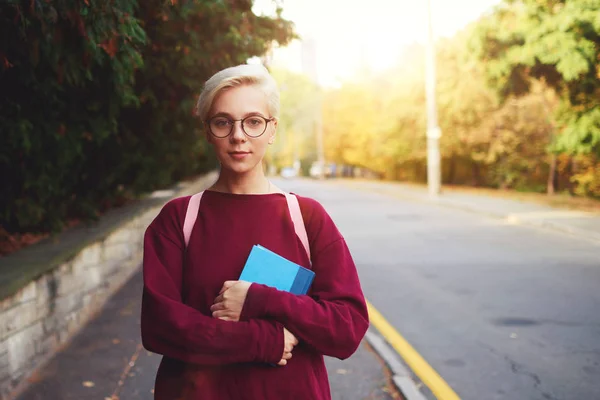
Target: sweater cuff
x,y
256,303
269,341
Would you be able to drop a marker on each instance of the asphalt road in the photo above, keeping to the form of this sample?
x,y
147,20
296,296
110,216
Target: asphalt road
x,y
499,311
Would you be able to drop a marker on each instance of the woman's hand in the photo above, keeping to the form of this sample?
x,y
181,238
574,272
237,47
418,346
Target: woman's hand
x,y
230,301
289,342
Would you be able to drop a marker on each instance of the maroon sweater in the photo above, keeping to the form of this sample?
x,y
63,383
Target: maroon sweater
x,y
209,359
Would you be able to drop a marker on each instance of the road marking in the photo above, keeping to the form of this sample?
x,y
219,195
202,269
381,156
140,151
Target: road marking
x,y
421,368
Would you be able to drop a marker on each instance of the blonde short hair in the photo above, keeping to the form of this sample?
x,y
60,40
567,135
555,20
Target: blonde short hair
x,y
245,74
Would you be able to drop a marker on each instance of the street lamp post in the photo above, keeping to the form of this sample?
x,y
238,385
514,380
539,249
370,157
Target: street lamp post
x,y
434,174
319,138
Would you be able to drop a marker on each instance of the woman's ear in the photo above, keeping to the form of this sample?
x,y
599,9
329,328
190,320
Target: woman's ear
x,y
274,131
272,137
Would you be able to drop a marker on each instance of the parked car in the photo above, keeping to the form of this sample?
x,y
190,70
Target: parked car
x,y
318,169
288,172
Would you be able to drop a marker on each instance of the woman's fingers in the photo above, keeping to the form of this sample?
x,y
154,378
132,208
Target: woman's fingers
x,y
219,299
286,356
218,306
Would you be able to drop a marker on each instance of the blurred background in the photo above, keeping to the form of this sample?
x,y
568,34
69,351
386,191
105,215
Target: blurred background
x,y
96,97
517,91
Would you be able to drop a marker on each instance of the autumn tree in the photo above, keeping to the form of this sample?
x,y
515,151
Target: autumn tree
x,y
300,101
557,42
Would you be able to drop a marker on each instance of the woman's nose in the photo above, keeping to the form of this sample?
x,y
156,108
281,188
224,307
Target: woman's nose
x,y
237,133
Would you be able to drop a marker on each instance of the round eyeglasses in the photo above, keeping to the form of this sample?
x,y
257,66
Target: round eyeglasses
x,y
253,125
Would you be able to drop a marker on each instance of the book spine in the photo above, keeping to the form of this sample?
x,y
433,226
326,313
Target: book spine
x,y
302,281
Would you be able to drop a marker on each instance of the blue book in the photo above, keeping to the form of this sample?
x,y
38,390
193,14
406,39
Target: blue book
x,y
269,268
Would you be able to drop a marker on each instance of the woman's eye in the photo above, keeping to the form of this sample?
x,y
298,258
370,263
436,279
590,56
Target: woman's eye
x,y
220,123
254,121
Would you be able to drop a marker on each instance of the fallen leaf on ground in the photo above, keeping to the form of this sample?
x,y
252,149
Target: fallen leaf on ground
x,y
88,384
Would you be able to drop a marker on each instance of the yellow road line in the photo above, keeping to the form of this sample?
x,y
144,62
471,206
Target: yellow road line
x,y
421,368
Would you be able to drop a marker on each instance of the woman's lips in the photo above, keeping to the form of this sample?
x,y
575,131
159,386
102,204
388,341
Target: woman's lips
x,y
239,155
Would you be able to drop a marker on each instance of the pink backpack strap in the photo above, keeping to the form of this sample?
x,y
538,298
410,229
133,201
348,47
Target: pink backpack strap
x,y
293,206
298,221
190,216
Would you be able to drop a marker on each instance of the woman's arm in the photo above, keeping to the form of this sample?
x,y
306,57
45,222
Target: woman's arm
x,y
333,319
176,330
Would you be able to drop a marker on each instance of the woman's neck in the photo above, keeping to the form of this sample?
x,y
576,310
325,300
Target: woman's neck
x,y
251,183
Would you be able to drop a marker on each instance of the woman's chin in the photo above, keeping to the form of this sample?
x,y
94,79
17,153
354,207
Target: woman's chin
x,y
237,167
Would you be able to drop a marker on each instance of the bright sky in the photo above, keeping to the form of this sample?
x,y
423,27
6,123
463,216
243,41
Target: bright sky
x,y
351,33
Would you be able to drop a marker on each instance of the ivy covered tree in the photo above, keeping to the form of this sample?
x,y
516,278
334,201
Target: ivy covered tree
x,y
67,68
96,98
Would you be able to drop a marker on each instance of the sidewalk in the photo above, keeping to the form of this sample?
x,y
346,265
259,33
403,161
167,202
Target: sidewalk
x,y
106,361
583,225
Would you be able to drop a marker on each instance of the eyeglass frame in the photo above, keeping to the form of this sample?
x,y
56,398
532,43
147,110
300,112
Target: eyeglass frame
x,y
233,121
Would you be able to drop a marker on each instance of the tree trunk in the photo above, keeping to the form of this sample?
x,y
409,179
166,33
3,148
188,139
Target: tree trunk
x,y
452,169
551,187
476,174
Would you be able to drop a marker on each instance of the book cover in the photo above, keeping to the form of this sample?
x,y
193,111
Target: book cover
x,y
269,268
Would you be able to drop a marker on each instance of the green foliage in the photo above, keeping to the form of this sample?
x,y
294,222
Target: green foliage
x,y
514,140
587,176
554,41
66,69
97,98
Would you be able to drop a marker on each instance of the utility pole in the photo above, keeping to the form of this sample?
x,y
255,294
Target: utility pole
x,y
319,134
434,173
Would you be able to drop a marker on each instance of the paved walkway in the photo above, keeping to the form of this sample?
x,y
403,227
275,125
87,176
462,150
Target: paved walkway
x,y
106,361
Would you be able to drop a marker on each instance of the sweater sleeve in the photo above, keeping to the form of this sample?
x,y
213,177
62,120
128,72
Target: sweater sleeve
x,y
333,318
174,329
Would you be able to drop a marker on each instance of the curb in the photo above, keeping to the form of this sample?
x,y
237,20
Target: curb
x,y
401,376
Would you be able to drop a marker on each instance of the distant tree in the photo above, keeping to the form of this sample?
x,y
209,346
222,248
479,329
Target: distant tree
x,y
297,122
557,42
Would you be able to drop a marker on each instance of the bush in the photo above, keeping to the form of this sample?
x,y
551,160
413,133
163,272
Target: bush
x,y
97,98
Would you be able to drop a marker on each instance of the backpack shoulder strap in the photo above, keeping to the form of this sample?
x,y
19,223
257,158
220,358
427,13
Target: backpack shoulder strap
x,y
190,216
298,221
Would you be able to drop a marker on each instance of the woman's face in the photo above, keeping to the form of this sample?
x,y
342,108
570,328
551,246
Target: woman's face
x,y
239,152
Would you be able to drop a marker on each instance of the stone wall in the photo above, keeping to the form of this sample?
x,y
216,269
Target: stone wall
x,y
43,315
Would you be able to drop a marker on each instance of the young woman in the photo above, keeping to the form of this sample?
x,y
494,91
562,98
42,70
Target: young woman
x,y
226,339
